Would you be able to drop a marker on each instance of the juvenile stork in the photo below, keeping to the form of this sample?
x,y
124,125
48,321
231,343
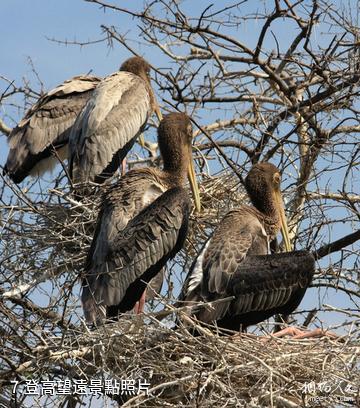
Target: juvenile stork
x,y
234,263
111,121
46,127
141,225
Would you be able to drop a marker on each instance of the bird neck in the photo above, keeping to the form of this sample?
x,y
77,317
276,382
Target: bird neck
x,y
175,176
176,161
149,89
268,214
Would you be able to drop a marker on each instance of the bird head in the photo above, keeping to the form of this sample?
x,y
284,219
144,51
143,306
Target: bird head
x,y
263,185
140,67
175,142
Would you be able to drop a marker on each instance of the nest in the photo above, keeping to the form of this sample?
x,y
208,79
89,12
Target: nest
x,y
180,369
234,371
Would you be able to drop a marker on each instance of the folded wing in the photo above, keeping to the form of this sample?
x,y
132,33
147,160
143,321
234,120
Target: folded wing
x,y
45,127
108,126
137,254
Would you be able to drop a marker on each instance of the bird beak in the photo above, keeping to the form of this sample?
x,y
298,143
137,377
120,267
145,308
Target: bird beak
x,y
283,221
142,140
194,186
157,110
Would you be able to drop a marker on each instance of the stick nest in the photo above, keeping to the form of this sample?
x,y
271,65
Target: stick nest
x,y
209,370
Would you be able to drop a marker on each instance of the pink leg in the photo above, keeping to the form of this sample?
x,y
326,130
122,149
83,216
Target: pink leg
x,y
316,333
288,331
139,305
123,167
302,334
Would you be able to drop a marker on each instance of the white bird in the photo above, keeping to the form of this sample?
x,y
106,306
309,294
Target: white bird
x,y
46,127
111,121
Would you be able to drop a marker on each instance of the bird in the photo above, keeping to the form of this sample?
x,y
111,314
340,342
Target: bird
x,y
111,122
234,269
142,223
41,137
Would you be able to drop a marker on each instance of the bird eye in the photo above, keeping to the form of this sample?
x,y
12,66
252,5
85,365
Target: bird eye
x,y
277,178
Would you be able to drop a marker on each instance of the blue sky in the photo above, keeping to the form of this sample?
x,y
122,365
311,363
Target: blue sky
x,y
27,25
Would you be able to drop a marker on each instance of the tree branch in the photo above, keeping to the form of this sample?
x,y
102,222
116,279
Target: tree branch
x,y
4,128
336,245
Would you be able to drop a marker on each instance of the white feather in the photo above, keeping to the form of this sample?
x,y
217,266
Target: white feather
x,y
49,163
197,273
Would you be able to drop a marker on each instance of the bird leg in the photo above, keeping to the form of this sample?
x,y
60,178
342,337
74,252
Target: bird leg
x,y
288,331
123,167
316,333
139,305
302,334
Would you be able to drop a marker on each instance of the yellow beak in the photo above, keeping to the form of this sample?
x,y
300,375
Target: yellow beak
x,y
142,140
283,221
157,110
194,186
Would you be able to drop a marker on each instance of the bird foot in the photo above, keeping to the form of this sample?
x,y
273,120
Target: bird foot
x,y
303,334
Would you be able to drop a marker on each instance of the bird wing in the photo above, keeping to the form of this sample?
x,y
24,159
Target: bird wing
x,y
112,118
120,203
260,287
155,235
238,234
47,123
274,282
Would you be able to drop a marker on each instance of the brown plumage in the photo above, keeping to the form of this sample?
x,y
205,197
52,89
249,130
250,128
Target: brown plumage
x,y
46,127
229,264
141,225
111,122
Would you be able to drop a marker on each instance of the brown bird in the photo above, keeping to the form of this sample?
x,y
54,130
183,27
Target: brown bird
x,y
111,122
46,127
234,263
141,225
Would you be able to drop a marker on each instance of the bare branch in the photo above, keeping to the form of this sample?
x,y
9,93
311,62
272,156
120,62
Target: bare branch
x,y
4,129
337,245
